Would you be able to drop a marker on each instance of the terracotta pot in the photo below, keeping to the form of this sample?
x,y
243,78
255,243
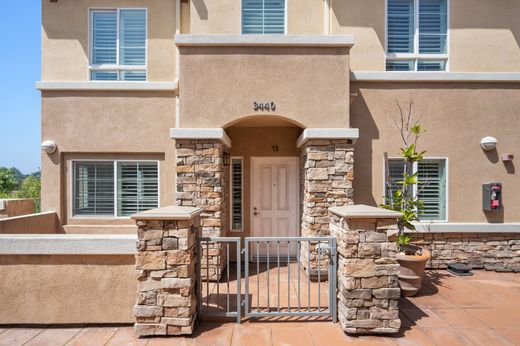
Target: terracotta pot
x,y
411,272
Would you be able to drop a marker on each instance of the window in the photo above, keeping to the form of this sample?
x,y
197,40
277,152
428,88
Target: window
x,y
263,16
118,45
431,188
115,188
417,35
236,194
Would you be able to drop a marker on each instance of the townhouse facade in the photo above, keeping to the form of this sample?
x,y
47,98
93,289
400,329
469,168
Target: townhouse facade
x,y
265,113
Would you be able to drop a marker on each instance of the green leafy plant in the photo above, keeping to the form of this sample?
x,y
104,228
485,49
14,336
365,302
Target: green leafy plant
x,y
403,198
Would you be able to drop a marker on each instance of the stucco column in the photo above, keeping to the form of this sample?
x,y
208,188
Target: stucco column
x,y
165,264
368,289
327,173
203,182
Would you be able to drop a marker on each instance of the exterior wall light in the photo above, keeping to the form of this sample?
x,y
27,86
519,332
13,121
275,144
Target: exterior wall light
x,y
48,146
488,143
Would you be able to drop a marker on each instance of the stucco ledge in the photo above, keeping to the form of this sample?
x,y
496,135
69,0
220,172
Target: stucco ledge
x,y
361,211
168,213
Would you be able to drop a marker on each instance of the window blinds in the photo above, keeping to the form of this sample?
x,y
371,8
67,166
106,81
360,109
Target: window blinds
x,y
132,36
400,26
431,188
263,16
137,187
236,194
104,38
432,26
94,188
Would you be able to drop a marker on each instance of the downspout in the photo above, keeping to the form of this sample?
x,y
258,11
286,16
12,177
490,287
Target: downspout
x,y
326,17
177,64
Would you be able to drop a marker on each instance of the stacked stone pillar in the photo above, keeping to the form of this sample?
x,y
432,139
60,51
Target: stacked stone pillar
x,y
165,264
327,174
368,289
203,182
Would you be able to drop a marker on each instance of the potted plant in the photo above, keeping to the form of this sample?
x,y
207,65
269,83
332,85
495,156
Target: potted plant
x,y
403,197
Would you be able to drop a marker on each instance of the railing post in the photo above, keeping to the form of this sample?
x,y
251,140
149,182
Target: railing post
x,y
368,290
165,264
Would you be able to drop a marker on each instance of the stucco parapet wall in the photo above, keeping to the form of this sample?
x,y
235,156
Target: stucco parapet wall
x,y
322,133
427,227
67,244
168,213
361,211
443,77
201,133
108,86
264,40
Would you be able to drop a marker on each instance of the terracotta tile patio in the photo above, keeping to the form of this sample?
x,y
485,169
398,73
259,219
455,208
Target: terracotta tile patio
x,y
478,310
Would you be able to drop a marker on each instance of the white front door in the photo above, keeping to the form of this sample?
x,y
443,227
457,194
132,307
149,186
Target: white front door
x,y
274,202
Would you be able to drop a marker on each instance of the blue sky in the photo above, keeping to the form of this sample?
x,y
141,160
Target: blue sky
x,y
20,28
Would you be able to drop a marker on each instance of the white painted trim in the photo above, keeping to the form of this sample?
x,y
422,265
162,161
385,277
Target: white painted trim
x,y
466,227
361,211
68,244
327,133
463,77
264,40
107,86
201,133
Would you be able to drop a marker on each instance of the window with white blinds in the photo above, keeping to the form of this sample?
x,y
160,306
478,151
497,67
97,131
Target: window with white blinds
x,y
431,188
417,35
118,44
236,195
115,188
263,16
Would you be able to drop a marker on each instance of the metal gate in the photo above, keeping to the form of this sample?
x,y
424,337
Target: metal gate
x,y
283,276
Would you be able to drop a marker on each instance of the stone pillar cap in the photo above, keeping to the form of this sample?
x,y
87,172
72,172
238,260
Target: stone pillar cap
x,y
168,213
361,211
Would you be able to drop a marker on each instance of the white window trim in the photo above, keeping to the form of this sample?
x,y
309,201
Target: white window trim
x,y
285,19
116,67
241,158
418,56
446,189
107,217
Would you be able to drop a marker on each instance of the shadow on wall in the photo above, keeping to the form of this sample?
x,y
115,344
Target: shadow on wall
x,y
369,132
201,8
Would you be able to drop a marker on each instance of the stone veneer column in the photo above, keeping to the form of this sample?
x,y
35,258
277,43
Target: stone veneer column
x,y
327,173
165,264
368,289
203,182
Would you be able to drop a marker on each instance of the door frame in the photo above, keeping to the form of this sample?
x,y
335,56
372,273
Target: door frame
x,y
298,192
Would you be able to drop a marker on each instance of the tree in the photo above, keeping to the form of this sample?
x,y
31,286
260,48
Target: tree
x,y
30,188
404,199
8,182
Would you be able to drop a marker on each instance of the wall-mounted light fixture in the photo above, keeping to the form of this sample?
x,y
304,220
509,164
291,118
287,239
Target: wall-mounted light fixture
x,y
488,143
48,146
226,159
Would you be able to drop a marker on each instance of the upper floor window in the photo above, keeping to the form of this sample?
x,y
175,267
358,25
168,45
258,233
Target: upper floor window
x,y
431,189
417,35
118,44
263,16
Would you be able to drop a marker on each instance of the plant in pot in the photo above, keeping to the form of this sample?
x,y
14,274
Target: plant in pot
x,y
402,196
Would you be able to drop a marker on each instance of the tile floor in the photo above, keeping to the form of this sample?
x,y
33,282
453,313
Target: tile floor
x,y
480,310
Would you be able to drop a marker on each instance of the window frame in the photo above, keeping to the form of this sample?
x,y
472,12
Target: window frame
x,y
416,56
115,163
117,67
415,168
285,19
241,158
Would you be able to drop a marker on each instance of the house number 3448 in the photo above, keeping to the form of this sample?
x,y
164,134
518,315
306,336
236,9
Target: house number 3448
x,y
264,106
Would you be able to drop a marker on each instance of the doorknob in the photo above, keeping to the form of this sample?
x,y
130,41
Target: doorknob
x,y
255,213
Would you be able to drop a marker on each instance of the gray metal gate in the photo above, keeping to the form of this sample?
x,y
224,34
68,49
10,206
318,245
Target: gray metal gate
x,y
277,277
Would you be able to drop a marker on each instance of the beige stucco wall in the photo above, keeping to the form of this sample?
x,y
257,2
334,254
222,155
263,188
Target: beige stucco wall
x,y
258,141
65,38
67,289
105,125
218,85
41,223
17,206
224,17
456,116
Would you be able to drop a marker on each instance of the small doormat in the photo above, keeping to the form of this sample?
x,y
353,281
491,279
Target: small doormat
x,y
460,269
